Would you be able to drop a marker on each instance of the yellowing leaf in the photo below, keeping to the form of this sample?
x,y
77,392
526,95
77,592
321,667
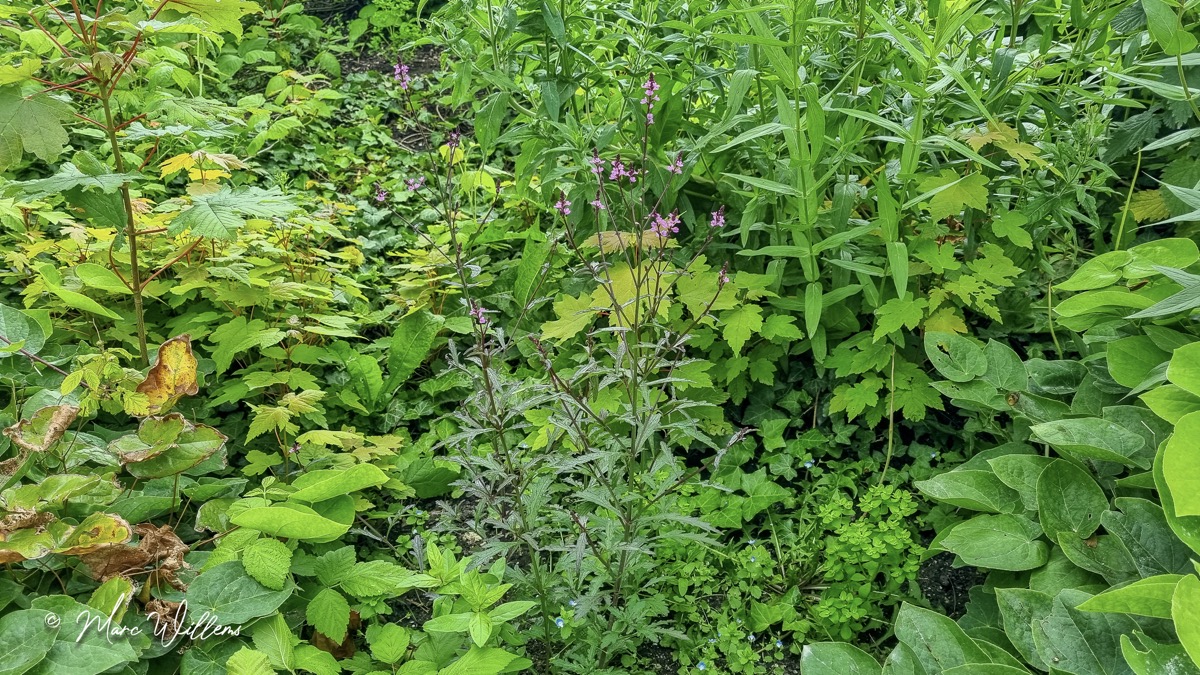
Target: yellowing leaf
x,y
220,15
25,71
945,320
207,174
172,376
996,132
1149,205
95,532
175,164
953,193
574,314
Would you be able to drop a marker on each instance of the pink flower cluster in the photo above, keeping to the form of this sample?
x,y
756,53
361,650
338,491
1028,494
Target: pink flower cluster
x,y
619,171
563,205
649,97
480,314
676,166
380,194
402,76
665,226
415,184
718,218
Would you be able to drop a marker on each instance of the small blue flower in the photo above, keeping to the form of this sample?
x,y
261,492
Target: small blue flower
x,y
559,622
779,644
809,464
753,542
751,638
933,455
701,666
573,603
712,641
739,621
753,559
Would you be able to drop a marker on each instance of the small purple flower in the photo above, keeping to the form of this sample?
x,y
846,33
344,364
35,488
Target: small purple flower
x,y
599,205
718,218
677,165
402,76
618,169
563,205
480,314
665,226
649,97
415,184
381,195
597,163
453,141
724,279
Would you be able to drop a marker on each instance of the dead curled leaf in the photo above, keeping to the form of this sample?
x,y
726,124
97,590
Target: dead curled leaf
x,y
172,376
38,433
21,519
166,616
157,546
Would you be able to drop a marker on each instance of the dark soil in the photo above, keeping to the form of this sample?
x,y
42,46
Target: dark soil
x,y
946,586
424,60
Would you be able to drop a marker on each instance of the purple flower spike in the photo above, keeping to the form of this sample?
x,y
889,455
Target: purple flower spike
x,y
597,163
649,97
402,76
563,205
480,314
718,218
664,227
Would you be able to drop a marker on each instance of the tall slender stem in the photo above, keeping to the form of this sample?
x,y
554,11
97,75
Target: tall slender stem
x,y
135,281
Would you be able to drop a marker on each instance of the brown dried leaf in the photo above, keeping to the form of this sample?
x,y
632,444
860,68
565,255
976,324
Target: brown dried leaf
x,y
43,429
21,519
157,546
166,617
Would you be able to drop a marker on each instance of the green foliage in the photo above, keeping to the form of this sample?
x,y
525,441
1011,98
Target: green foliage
x,y
493,361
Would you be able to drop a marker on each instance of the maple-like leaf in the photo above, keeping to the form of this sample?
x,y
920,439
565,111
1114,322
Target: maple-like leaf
x,y
898,313
1010,225
574,314
945,320
951,193
220,15
31,124
740,324
221,215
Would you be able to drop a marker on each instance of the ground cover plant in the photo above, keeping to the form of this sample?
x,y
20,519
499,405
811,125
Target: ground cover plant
x,y
470,338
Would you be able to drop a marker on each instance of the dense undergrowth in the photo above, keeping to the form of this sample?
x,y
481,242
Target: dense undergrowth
x,y
578,337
